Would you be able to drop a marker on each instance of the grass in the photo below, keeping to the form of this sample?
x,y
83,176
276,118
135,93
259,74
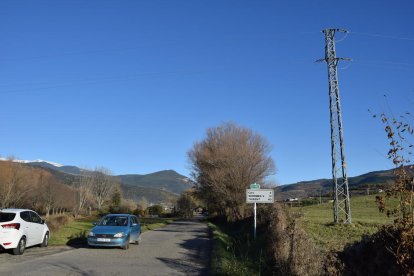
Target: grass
x,y
75,231
318,222
234,252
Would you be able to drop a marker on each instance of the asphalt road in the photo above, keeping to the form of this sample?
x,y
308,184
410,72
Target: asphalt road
x,y
180,248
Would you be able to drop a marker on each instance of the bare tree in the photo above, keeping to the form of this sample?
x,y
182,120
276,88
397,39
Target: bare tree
x,y
102,185
12,181
47,184
83,187
225,163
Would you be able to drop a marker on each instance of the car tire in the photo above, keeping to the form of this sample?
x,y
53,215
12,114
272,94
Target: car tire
x,y
21,246
126,245
45,242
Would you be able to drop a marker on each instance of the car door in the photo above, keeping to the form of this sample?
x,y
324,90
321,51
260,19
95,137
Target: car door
x,y
27,227
133,225
36,228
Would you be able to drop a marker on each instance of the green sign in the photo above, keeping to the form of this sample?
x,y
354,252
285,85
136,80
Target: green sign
x,y
254,186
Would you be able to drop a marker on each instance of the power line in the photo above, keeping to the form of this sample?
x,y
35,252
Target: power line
x,y
383,36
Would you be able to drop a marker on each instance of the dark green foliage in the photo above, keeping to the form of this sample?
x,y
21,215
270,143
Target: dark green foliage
x,y
185,206
371,256
155,210
116,198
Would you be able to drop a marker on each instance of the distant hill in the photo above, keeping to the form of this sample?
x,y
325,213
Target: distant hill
x,y
152,195
167,184
162,186
374,180
63,177
65,169
168,180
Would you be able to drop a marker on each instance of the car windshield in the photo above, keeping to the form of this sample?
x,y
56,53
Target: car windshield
x,y
114,221
5,217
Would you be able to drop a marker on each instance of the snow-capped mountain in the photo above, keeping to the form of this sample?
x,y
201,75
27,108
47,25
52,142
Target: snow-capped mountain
x,y
39,161
34,161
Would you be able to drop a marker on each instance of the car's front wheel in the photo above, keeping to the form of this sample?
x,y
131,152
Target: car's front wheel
x,y
126,245
138,240
45,242
21,246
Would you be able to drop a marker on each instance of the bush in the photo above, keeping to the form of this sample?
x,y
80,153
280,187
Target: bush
x,y
155,210
293,251
56,222
372,255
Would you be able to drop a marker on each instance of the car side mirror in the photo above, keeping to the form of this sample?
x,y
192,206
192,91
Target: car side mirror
x,y
42,221
94,223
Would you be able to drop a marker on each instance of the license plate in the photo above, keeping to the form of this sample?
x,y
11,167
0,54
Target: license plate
x,y
103,240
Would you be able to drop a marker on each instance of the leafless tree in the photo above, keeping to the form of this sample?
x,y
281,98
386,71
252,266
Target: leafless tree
x,y
83,187
12,181
102,185
48,186
225,163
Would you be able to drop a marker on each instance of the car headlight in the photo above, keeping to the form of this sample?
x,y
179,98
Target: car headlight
x,y
91,234
119,235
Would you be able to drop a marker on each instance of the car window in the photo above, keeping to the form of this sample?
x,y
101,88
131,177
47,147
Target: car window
x,y
114,221
35,218
25,216
5,217
122,221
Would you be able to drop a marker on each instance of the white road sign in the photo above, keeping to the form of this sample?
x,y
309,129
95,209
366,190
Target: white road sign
x,y
259,196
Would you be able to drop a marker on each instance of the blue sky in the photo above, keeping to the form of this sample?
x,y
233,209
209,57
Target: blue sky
x,y
131,85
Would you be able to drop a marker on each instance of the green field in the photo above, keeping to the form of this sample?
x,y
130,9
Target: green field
x,y
75,232
318,223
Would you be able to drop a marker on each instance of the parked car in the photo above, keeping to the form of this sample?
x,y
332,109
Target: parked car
x,y
115,230
21,228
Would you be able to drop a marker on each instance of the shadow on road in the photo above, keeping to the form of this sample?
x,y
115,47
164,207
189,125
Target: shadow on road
x,y
78,241
197,260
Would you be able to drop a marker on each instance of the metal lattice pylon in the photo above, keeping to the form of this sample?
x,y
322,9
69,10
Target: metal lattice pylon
x,y
341,204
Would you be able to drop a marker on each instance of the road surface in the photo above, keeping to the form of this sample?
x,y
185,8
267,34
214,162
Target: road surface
x,y
180,248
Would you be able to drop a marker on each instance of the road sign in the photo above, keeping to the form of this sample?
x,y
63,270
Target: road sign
x,y
259,196
254,186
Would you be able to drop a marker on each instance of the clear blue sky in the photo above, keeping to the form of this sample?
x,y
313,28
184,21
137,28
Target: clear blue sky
x,y
131,85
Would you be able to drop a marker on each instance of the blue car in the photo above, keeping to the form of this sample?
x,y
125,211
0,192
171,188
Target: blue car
x,y
115,230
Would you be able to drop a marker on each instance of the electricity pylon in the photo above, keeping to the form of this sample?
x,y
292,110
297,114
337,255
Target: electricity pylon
x,y
341,204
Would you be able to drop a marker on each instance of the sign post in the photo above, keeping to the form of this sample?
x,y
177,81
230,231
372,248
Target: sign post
x,y
256,195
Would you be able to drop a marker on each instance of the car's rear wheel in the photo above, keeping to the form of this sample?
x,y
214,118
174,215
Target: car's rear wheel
x,y
21,246
45,242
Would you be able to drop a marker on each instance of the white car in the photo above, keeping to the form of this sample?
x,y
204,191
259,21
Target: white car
x,y
21,228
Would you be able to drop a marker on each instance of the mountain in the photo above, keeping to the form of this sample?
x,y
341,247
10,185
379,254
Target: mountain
x,y
152,195
167,184
49,165
162,186
168,180
357,184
